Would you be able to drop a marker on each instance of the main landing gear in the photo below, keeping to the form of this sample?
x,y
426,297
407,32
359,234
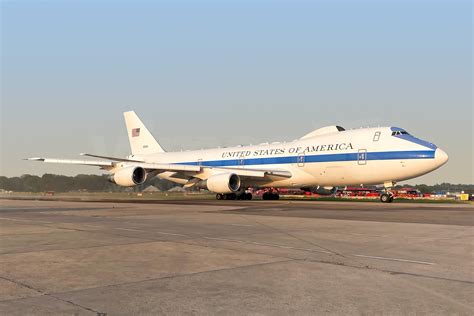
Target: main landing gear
x,y
271,195
233,196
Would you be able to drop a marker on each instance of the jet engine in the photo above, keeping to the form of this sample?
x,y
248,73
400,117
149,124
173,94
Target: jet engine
x,y
222,183
129,176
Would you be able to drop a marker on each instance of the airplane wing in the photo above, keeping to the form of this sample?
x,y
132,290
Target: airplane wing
x,y
259,173
188,172
74,161
112,164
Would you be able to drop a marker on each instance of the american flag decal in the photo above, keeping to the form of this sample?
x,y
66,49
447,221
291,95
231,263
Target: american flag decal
x,y
135,132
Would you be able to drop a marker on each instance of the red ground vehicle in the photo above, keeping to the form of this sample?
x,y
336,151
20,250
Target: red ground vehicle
x,y
358,192
408,193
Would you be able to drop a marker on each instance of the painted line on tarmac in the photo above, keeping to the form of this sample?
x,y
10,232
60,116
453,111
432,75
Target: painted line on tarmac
x,y
130,229
285,247
24,220
316,250
146,231
172,234
267,244
394,259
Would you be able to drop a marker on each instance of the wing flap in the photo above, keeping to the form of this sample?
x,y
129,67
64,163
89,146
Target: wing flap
x,y
257,173
110,158
169,167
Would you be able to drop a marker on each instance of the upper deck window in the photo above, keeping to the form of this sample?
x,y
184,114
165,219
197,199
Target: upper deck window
x,y
396,133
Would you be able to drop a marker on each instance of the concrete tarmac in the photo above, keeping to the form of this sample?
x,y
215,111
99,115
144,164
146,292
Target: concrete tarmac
x,y
235,257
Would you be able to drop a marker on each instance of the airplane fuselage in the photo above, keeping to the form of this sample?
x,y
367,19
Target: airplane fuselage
x,y
351,157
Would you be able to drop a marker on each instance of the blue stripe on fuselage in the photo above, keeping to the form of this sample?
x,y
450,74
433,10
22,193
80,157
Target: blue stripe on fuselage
x,y
385,155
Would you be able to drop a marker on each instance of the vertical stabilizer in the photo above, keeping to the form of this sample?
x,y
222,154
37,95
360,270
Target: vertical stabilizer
x,y
141,140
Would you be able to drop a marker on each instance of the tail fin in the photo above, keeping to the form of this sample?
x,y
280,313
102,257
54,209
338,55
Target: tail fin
x,y
141,140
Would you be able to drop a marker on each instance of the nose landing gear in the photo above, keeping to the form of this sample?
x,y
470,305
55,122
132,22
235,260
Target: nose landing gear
x,y
386,198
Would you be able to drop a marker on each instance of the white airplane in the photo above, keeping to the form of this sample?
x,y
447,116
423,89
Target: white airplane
x,y
325,158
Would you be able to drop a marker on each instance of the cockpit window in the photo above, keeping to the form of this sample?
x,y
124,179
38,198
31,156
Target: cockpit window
x,y
396,133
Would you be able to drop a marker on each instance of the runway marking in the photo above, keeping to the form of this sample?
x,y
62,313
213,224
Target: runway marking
x,y
394,259
130,229
315,250
140,230
242,225
267,244
286,247
23,220
163,233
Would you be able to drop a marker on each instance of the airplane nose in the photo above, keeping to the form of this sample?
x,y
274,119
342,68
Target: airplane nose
x,y
441,157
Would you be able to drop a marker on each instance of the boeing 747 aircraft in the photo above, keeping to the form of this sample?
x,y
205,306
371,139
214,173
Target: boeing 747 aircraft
x,y
325,158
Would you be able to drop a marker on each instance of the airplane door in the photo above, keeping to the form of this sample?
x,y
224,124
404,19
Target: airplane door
x,y
301,160
241,163
362,157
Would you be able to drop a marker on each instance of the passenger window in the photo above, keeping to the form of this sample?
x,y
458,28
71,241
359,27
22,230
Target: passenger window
x,y
376,136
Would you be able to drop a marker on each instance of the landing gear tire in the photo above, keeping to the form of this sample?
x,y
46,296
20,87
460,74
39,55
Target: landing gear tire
x,y
244,196
233,196
386,198
230,196
270,196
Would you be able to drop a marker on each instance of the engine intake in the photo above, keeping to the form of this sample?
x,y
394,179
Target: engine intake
x,y
129,176
222,183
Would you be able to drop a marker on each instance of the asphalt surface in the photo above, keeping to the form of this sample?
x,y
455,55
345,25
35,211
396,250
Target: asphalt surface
x,y
235,257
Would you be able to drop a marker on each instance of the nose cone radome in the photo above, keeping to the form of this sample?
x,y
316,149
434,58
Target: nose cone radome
x,y
441,157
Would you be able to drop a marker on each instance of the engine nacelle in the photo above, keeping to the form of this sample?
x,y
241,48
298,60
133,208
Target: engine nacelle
x,y
129,176
222,183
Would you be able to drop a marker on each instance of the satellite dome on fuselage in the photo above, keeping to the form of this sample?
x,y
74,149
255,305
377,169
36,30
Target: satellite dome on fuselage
x,y
324,130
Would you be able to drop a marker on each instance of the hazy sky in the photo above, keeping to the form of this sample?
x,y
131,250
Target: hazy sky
x,y
217,73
